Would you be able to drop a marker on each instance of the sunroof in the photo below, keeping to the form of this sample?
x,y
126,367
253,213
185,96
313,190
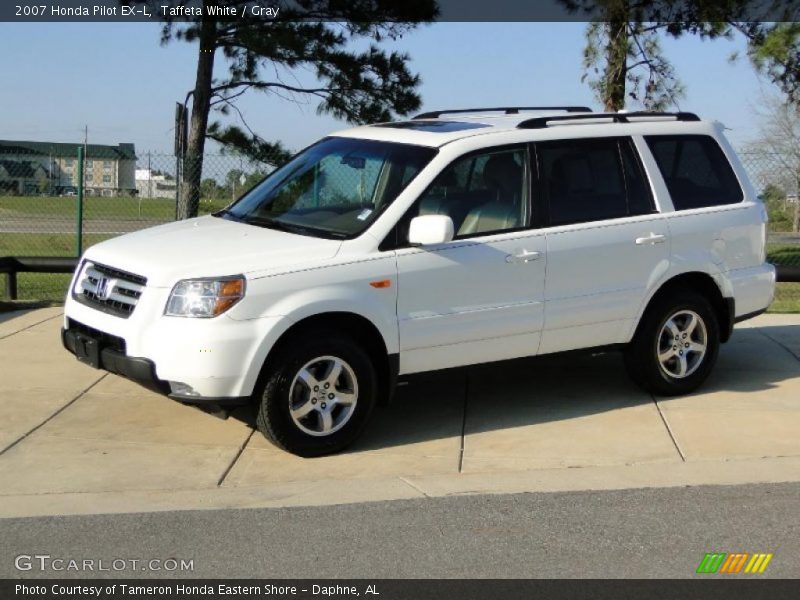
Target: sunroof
x,y
443,126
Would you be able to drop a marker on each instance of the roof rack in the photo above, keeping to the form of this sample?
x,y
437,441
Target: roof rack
x,y
509,110
542,122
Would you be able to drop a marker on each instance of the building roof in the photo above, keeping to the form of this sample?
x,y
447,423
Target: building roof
x,y
21,169
67,150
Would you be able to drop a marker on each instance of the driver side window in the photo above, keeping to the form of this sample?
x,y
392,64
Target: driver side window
x,y
482,193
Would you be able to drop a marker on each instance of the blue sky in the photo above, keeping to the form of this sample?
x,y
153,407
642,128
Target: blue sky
x,y
118,79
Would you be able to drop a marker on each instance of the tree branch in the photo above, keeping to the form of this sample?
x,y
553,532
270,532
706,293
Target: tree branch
x,y
263,85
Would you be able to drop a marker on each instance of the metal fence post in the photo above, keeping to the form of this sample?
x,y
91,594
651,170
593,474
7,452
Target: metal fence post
x,y
11,285
79,201
178,176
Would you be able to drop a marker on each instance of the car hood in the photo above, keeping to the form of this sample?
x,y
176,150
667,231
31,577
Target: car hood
x,y
209,247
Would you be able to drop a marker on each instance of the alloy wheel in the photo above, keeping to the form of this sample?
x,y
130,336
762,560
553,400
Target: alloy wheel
x,y
323,396
682,344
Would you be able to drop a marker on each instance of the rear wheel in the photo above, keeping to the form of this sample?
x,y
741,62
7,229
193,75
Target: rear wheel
x,y
676,344
316,395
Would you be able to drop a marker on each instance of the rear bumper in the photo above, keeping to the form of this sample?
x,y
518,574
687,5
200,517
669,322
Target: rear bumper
x,y
753,288
93,350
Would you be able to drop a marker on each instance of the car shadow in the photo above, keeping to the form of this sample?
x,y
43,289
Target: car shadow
x,y
572,385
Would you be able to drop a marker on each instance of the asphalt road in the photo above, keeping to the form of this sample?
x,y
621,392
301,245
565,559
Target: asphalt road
x,y
644,533
783,238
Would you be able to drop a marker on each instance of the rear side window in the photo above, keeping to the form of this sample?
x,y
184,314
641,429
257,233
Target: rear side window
x,y
695,170
591,180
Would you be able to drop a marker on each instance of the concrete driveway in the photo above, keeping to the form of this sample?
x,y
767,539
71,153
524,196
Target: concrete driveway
x,y
75,440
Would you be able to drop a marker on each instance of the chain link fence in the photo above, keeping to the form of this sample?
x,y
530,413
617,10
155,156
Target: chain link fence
x,y
777,179
39,204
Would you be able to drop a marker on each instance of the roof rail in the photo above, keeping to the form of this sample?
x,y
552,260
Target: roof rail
x,y
542,122
509,110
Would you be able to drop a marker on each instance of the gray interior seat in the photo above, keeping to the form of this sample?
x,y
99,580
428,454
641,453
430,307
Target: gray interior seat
x,y
492,216
503,178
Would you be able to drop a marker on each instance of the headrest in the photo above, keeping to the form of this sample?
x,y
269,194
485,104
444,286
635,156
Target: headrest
x,y
502,172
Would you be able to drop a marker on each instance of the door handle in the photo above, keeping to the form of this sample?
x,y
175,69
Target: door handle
x,y
653,238
523,257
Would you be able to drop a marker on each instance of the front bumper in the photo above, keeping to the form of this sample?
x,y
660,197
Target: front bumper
x,y
91,350
103,351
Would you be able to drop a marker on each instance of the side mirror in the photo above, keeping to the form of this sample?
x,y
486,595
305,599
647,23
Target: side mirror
x,y
430,229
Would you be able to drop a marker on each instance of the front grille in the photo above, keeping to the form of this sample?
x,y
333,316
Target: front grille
x,y
109,289
118,274
106,339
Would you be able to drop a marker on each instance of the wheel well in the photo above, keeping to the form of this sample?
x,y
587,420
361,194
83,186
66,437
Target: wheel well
x,y
704,284
356,327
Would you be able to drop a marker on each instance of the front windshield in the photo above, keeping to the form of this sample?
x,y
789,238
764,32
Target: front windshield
x,y
334,188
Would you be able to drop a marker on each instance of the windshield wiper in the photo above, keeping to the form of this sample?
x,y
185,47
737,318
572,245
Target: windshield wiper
x,y
280,225
226,213
272,223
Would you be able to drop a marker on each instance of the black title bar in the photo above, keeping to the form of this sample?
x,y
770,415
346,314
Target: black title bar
x,y
33,11
712,586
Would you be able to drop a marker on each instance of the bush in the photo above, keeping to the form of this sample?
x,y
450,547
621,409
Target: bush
x,y
775,201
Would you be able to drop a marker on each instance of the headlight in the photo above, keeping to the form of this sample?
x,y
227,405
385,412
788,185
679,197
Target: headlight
x,y
204,298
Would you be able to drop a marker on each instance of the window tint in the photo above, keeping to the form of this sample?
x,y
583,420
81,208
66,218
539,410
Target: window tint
x,y
482,193
695,170
591,180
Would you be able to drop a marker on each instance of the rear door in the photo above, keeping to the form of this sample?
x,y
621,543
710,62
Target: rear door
x,y
606,242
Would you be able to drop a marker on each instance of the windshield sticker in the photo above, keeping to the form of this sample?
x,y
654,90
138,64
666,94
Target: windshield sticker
x,y
364,214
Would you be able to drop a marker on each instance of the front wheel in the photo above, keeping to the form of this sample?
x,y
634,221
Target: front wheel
x,y
676,345
317,395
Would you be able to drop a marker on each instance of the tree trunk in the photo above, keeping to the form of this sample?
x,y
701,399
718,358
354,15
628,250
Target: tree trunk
x,y
616,56
189,201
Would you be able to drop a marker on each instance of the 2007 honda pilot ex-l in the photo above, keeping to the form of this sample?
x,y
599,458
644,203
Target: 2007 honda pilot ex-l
x,y
450,239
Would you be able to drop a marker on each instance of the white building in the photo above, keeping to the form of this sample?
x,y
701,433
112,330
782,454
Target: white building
x,y
154,184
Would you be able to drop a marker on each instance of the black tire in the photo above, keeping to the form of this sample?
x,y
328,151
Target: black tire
x,y
642,354
272,394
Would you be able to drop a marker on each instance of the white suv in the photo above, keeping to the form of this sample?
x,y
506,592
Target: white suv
x,y
454,238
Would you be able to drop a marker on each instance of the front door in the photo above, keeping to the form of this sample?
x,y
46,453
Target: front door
x,y
480,297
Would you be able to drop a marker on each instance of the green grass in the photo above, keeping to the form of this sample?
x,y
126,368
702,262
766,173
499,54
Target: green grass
x,y
93,207
784,255
52,287
787,295
39,287
44,244
96,207
42,286
787,298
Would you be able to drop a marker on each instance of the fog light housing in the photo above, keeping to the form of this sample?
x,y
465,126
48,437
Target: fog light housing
x,y
178,388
